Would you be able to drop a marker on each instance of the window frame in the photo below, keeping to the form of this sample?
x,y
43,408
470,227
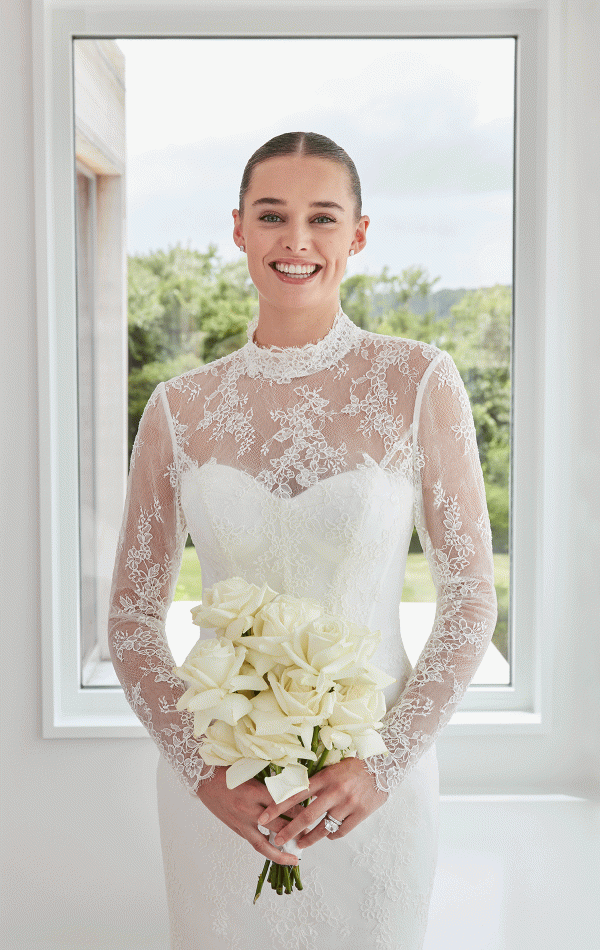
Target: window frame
x,y
72,711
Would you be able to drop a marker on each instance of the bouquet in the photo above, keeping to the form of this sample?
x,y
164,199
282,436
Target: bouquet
x,y
283,690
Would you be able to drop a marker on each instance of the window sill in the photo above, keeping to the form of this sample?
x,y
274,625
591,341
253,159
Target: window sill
x,y
503,722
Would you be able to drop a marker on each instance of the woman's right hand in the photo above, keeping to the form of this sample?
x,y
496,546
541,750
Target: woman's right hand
x,y
239,808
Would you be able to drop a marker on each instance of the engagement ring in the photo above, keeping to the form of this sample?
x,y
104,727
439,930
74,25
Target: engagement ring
x,y
332,824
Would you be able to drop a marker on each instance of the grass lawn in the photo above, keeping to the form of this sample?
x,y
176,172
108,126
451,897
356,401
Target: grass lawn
x,y
418,587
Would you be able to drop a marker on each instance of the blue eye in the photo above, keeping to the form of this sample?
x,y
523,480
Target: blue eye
x,y
270,217
324,219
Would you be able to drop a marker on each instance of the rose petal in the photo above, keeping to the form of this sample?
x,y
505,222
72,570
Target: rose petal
x,y
242,770
369,744
293,779
246,681
232,708
202,721
205,700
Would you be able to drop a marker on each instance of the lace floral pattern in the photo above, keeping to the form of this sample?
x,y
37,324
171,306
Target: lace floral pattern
x,y
373,406
370,889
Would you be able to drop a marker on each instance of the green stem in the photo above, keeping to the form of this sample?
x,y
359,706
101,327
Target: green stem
x,y
261,880
321,761
296,876
315,739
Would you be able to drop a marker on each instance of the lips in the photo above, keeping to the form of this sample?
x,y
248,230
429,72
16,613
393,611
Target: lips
x,y
296,272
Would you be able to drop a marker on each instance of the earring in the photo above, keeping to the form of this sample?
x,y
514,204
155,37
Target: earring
x,y
351,252
242,248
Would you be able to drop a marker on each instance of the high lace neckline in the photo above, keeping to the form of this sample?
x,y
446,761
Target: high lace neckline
x,y
282,364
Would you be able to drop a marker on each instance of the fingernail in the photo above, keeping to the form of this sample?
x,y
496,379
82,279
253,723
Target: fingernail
x,y
278,841
264,817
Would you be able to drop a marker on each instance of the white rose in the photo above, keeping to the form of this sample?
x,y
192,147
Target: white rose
x,y
304,700
218,746
369,676
354,721
232,605
270,720
212,668
274,625
331,647
281,747
247,753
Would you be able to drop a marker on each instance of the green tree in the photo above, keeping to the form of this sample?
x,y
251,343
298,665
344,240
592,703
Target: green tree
x,y
380,303
186,301
481,347
481,328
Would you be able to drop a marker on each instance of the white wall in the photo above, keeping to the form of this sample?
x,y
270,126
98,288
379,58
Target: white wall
x,y
80,844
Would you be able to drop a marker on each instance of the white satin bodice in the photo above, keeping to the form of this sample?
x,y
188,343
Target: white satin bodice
x,y
341,542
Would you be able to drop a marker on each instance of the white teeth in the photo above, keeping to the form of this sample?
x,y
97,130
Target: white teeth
x,y
296,270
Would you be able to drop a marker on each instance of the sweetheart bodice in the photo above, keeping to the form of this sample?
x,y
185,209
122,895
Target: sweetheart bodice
x,y
342,542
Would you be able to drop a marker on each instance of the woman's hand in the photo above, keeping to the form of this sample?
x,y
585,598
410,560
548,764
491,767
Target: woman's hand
x,y
345,790
239,808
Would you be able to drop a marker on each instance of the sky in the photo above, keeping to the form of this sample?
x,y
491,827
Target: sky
x,y
428,123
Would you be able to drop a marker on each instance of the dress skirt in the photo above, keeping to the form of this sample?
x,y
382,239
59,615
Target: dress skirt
x,y
368,891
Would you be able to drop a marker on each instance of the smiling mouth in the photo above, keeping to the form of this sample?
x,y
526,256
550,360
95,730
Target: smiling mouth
x,y
297,271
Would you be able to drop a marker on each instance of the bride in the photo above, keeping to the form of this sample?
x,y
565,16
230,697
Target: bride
x,y
303,461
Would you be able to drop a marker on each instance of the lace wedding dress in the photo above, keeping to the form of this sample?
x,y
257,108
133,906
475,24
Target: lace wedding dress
x,y
306,468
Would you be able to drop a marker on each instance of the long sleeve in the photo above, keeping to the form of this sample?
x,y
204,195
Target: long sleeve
x,y
146,570
452,521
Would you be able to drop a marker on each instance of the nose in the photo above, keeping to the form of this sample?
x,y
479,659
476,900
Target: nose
x,y
296,237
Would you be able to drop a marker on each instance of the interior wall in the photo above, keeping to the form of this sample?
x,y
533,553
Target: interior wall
x,y
81,861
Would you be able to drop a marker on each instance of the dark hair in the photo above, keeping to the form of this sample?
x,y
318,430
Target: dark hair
x,y
302,143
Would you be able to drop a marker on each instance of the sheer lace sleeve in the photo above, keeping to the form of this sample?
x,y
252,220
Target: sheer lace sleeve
x,y
146,570
453,525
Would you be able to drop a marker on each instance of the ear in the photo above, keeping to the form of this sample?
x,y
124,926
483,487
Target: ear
x,y
238,230
360,235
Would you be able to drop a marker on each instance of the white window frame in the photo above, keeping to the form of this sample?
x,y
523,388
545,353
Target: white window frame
x,y
72,711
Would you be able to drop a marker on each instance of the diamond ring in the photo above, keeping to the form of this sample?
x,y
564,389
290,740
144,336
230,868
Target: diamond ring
x,y
332,824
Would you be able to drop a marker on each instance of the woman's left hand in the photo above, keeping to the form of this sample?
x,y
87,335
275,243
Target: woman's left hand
x,y
346,791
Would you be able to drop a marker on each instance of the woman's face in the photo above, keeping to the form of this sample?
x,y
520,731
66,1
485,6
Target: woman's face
x,y
298,228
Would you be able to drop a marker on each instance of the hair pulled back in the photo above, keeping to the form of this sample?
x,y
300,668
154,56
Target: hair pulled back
x,y
302,143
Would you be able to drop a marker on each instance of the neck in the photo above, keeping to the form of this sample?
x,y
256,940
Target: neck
x,y
283,329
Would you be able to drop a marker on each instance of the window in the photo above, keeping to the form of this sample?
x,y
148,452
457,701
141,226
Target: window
x,y
70,708
431,127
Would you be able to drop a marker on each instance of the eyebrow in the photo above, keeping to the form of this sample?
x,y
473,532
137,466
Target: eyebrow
x,y
280,201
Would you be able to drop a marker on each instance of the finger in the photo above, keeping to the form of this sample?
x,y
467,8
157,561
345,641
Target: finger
x,y
316,785
261,844
286,807
277,825
328,802
311,837
320,832
308,817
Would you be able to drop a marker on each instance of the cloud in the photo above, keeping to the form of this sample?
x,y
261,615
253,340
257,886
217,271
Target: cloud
x,y
437,181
